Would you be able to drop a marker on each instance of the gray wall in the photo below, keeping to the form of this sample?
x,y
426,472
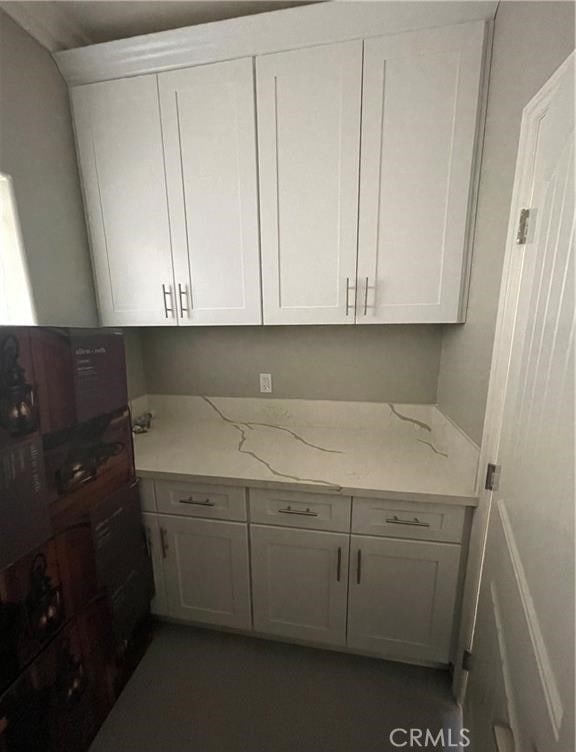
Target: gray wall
x,y
135,371
531,39
373,363
37,150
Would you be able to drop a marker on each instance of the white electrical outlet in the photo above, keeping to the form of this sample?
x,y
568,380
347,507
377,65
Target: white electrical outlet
x,y
266,383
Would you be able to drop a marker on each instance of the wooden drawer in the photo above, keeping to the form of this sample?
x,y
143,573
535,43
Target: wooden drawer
x,y
201,500
406,519
298,509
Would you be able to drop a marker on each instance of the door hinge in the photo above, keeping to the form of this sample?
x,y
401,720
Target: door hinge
x,y
492,477
467,660
522,233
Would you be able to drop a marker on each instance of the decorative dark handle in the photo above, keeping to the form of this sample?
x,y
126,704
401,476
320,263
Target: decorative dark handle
x,y
339,565
415,522
302,513
163,543
359,568
195,502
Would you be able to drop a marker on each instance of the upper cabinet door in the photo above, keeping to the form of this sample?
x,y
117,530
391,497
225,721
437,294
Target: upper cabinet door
x,y
122,163
309,137
419,122
208,120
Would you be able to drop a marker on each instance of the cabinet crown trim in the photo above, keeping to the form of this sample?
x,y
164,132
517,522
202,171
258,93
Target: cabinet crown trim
x,y
260,34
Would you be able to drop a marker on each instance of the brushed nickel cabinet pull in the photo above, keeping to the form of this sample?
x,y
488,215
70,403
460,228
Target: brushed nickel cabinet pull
x,y
347,295
339,565
303,513
165,294
366,298
197,502
415,522
183,294
163,542
359,568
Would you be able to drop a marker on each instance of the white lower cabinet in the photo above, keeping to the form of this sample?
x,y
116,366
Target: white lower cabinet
x,y
390,596
159,604
206,570
402,597
300,583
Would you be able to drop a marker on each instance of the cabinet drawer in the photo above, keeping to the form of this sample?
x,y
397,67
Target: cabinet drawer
x,y
405,519
201,500
297,509
147,494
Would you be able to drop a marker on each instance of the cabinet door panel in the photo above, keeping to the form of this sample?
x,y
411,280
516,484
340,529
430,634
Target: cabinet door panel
x,y
299,583
419,121
402,597
206,569
209,131
308,136
159,604
121,159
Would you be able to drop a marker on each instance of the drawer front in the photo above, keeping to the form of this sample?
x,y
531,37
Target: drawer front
x,y
201,500
405,519
147,494
296,509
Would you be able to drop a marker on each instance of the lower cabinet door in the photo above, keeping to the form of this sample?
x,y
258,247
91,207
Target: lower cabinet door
x,y
300,583
206,570
159,604
402,597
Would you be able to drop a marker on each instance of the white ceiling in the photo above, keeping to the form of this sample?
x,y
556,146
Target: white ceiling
x,y
74,23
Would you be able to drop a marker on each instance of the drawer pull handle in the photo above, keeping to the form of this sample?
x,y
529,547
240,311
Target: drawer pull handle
x,y
163,542
302,513
415,522
197,502
339,565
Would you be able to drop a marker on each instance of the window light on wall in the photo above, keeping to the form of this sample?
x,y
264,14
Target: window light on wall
x,y
16,302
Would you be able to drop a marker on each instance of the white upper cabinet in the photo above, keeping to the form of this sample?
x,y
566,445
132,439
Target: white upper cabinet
x,y
420,112
335,187
122,164
209,130
309,138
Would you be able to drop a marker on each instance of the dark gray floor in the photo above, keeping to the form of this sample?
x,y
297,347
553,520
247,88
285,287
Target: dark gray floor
x,y
203,691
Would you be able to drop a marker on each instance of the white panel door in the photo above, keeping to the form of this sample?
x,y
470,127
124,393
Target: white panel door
x,y
159,604
420,110
121,159
208,120
300,583
528,578
206,570
309,138
402,597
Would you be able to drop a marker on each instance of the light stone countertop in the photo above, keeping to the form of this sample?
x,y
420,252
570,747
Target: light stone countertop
x,y
412,452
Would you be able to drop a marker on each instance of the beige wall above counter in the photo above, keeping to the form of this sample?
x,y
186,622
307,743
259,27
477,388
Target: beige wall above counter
x,y
378,364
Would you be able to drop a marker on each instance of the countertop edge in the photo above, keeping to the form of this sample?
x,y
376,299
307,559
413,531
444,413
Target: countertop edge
x,y
468,501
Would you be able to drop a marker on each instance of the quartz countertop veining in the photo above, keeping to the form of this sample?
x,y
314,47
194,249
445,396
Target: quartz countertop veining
x,y
411,452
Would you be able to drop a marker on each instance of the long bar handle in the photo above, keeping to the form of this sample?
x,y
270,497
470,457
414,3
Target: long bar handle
x,y
359,567
366,298
415,522
348,288
165,294
163,543
199,503
183,293
339,565
302,513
